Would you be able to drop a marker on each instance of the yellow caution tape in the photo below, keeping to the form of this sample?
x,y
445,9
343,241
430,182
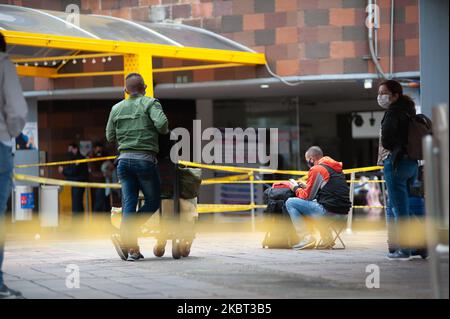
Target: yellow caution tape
x,y
270,181
58,182
368,181
218,180
86,160
222,208
362,169
236,169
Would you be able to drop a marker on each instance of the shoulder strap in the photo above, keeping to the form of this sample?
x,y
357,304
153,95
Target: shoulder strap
x,y
328,168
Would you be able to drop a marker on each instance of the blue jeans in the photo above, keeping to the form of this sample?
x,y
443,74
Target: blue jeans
x,y
398,180
6,169
299,209
135,175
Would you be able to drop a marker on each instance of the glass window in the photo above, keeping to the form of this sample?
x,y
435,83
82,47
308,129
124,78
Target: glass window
x,y
194,37
110,28
29,20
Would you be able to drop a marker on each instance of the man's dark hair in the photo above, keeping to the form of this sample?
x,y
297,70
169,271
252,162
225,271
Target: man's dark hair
x,y
133,75
315,152
2,43
134,82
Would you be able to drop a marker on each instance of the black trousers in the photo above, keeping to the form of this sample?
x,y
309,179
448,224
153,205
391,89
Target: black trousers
x,y
77,200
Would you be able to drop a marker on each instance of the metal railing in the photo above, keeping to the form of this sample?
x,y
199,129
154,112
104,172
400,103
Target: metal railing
x,y
435,150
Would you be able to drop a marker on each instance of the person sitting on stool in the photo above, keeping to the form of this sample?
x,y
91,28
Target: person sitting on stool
x,y
325,195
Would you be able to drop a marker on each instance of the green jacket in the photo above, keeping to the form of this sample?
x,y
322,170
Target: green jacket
x,y
135,123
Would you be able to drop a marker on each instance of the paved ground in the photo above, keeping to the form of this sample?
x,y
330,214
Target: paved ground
x,y
223,265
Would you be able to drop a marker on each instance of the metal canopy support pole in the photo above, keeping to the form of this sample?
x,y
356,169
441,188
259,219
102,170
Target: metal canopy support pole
x,y
431,202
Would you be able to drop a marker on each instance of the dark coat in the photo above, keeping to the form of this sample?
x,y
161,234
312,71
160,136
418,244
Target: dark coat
x,y
394,127
76,172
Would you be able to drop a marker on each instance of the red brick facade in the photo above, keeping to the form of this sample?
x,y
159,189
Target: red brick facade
x,y
299,37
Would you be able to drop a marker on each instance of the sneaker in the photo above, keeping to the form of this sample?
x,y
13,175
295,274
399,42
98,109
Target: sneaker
x,y
121,251
399,255
420,253
8,293
307,242
134,254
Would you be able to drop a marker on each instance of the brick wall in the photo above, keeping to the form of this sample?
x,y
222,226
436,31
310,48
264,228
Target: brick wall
x,y
299,37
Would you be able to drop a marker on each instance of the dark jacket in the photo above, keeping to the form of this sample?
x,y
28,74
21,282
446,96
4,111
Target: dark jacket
x,y
326,183
394,128
95,168
76,172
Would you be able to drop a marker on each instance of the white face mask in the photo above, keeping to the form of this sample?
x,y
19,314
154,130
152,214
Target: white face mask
x,y
383,101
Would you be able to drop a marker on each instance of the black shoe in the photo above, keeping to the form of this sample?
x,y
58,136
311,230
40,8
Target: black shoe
x,y
421,253
8,293
121,251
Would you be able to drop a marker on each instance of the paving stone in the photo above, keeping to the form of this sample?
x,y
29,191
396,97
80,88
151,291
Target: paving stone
x,y
221,265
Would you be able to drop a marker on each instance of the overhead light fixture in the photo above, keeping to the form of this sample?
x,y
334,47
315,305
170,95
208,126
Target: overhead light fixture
x,y
368,84
264,86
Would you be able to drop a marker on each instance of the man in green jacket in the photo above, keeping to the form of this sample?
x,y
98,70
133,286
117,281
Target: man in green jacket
x,y
135,124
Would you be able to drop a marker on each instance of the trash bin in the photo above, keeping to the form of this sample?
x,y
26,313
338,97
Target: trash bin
x,y
23,203
49,206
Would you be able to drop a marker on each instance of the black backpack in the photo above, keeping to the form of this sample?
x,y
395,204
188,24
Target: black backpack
x,y
275,198
419,126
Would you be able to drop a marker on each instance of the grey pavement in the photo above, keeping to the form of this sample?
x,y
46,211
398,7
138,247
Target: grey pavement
x,y
221,265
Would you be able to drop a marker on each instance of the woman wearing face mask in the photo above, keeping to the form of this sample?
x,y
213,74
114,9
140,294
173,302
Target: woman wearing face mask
x,y
399,169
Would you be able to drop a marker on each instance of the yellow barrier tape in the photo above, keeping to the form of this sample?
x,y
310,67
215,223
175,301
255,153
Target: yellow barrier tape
x,y
222,208
218,180
236,169
362,169
86,160
269,181
58,182
369,181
